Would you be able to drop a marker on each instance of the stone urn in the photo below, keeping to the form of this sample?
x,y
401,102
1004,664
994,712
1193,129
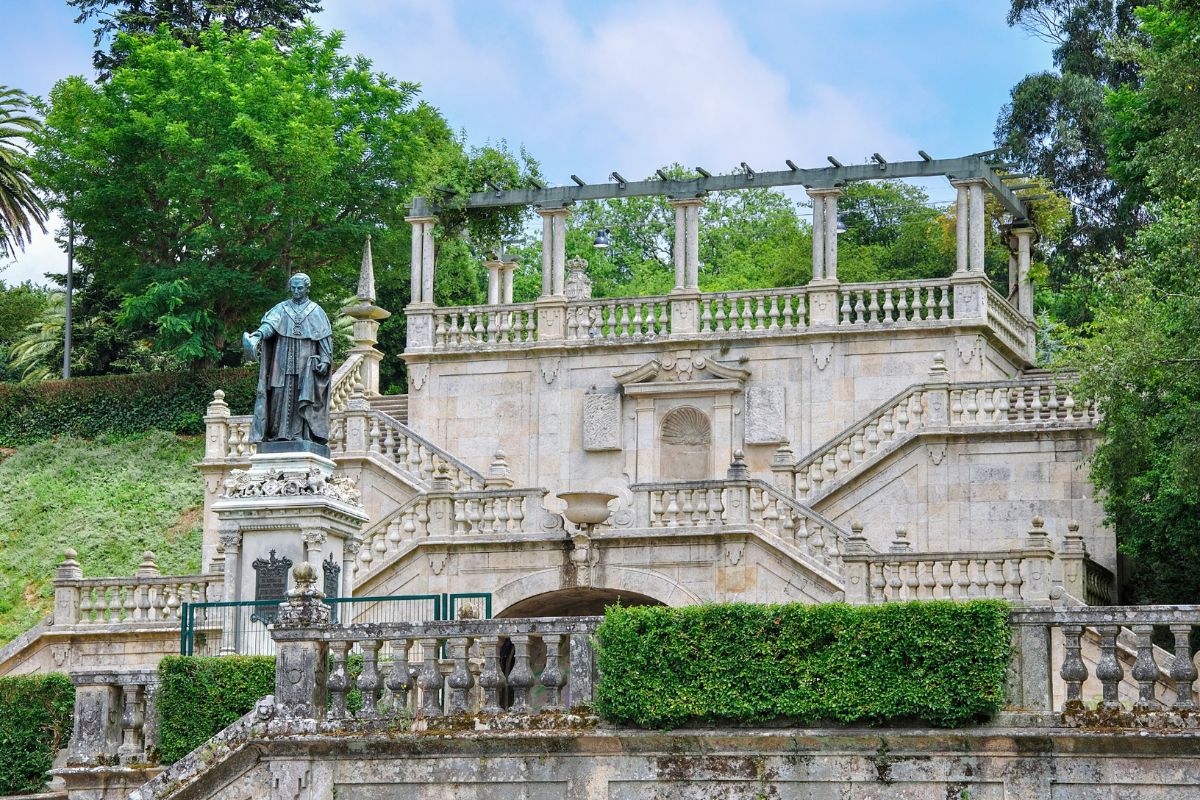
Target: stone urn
x,y
587,508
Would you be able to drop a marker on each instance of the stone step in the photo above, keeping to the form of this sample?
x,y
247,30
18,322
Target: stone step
x,y
394,405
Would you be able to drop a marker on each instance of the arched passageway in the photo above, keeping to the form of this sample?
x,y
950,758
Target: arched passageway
x,y
575,603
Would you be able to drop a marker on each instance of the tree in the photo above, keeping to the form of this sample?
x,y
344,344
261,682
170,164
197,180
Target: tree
x,y
1141,360
20,207
200,177
1054,126
186,19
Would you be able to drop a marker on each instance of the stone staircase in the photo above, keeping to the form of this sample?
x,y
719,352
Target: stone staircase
x,y
394,405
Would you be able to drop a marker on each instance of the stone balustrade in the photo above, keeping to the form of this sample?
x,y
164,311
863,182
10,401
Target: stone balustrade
x,y
778,310
424,670
935,407
348,376
618,319
468,327
1052,643
116,720
738,501
147,598
782,311
1003,574
899,303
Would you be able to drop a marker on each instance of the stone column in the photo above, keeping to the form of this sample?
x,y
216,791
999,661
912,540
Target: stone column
x,y
507,268
552,305
970,225
301,662
231,541
1024,284
420,309
1072,555
350,549
823,292
962,212
685,297
679,249
1039,557
976,227
495,281
857,566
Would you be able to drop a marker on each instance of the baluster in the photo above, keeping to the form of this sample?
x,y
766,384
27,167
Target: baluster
x,y
717,506
662,318
956,406
552,675
672,510
972,406
637,319
912,580
858,446
1074,672
894,582
962,587
878,583
1108,668
430,679
1037,403
944,303
1145,670
989,407
979,588
928,581
760,315
389,442
624,321
1014,581
1052,402
518,514
473,516
101,605
706,318
945,588
611,322
688,511
460,679
129,606
770,514
860,309
902,306
338,682
735,315
720,301
888,308
789,322
873,307
1183,670
491,679
398,681
487,522
520,677
704,514
747,314
845,308
369,682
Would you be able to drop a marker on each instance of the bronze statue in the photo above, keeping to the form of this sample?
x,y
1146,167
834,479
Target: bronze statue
x,y
294,348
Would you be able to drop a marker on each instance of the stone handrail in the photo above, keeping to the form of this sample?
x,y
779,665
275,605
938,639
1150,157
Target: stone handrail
x,y
454,513
399,445
618,318
1009,325
347,376
147,598
897,303
468,327
406,677
754,310
1036,659
717,503
940,407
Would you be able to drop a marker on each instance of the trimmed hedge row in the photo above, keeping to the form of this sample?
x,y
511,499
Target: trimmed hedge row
x,y
943,663
199,697
119,404
35,723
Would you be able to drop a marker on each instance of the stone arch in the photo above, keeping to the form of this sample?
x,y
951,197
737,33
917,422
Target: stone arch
x,y
686,444
623,581
575,602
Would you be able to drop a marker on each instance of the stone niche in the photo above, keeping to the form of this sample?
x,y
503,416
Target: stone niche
x,y
684,414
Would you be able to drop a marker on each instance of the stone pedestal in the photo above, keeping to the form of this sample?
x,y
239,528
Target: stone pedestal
x,y
551,318
823,301
287,508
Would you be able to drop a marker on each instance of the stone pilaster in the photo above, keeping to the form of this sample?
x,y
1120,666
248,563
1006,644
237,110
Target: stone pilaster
x,y
66,589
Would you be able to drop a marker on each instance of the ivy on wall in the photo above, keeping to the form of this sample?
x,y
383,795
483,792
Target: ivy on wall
x,y
200,697
941,663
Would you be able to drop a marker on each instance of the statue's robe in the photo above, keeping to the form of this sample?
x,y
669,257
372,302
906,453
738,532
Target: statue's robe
x,y
292,401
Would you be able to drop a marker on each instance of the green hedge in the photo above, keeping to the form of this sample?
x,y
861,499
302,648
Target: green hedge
x,y
942,663
35,723
200,697
119,404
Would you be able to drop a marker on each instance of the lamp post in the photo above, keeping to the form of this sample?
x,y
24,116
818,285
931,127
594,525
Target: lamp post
x,y
66,369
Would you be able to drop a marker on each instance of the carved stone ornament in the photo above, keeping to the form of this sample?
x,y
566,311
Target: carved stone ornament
x,y
601,422
417,375
549,366
822,353
579,285
765,414
680,367
243,484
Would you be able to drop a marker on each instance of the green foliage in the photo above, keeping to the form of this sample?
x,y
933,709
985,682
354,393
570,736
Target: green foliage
x,y
119,404
186,19
20,207
940,662
109,499
200,697
20,306
35,723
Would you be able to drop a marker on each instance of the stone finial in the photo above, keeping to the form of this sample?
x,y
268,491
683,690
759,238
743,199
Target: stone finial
x,y
441,478
856,542
69,568
498,474
938,371
784,456
304,606
467,611
738,469
148,566
304,575
366,275
218,407
578,285
1037,538
901,544
1073,541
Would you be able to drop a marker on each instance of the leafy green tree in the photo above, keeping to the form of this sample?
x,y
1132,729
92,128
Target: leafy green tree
x,y
20,207
186,19
1054,127
20,305
1141,360
200,177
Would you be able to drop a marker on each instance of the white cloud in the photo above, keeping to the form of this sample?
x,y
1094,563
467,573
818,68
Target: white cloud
x,y
41,256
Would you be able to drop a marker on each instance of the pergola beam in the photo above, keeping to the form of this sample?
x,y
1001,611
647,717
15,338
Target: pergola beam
x,y
823,177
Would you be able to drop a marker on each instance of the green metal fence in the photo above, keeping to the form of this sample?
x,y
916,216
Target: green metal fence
x,y
241,627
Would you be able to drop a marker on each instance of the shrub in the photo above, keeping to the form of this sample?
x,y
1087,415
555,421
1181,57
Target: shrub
x,y
35,723
200,697
942,663
119,404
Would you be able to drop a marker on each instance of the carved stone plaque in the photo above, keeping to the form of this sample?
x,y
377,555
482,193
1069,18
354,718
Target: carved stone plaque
x,y
331,571
764,414
601,422
270,583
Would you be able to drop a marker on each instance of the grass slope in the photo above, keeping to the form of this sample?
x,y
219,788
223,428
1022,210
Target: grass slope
x,y
109,498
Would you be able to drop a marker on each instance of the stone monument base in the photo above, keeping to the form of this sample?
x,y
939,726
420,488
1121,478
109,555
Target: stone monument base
x,y
294,446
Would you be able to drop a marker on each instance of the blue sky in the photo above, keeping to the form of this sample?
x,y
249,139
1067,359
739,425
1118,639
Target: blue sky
x,y
589,87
